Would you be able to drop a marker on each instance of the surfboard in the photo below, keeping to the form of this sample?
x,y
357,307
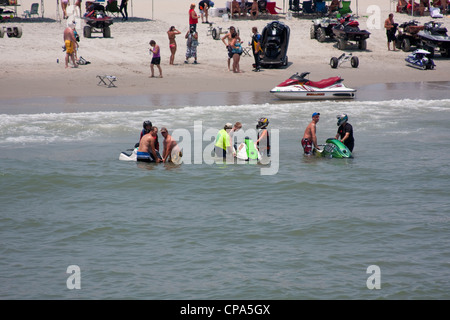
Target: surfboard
x,y
176,155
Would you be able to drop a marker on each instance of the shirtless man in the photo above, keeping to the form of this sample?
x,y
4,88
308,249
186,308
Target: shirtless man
x,y
70,42
147,146
168,145
309,137
229,37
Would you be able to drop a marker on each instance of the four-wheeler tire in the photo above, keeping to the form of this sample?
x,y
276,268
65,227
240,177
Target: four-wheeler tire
x,y
106,32
406,45
354,61
362,45
87,31
321,34
334,62
312,32
342,44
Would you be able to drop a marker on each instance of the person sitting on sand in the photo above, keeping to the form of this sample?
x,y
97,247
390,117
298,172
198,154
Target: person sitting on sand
x,y
254,10
334,6
235,8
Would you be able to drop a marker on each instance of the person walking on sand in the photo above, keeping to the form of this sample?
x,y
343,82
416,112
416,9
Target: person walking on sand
x,y
71,44
191,45
309,137
193,17
156,58
391,28
172,43
124,10
64,4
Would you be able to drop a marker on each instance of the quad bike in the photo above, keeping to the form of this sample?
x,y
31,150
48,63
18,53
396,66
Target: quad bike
x,y
96,20
323,28
348,30
408,35
335,62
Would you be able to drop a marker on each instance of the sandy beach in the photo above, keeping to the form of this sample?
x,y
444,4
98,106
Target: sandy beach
x,y
30,69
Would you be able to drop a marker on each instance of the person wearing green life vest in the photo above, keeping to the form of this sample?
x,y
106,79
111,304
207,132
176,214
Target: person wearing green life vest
x,y
222,145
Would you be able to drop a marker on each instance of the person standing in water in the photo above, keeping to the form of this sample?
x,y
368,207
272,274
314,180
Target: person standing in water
x,y
309,137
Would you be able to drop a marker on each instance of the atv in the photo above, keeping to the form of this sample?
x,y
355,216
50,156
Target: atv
x,y
323,28
408,35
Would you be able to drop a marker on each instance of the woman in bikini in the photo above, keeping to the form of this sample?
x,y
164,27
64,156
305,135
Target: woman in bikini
x,y
172,43
64,4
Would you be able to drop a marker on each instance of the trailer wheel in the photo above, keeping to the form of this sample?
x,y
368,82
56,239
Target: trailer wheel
x,y
87,31
334,62
354,61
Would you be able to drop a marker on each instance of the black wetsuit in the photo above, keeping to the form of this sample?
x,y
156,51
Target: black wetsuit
x,y
350,141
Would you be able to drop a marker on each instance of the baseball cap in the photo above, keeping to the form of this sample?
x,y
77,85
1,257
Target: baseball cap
x,y
228,126
315,114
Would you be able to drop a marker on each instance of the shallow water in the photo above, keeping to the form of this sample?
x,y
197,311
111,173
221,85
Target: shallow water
x,y
308,230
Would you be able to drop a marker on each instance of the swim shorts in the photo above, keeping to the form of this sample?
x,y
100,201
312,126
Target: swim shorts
x,y
145,157
156,60
69,46
307,146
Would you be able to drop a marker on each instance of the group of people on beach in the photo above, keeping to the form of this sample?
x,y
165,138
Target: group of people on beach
x,y
231,40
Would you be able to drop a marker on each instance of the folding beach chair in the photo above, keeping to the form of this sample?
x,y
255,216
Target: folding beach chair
x,y
33,11
107,80
345,7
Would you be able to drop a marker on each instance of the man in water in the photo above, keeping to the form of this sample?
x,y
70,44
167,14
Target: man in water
x,y
222,144
345,132
168,145
309,137
147,150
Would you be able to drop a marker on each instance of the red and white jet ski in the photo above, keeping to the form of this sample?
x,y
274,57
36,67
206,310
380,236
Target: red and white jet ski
x,y
299,88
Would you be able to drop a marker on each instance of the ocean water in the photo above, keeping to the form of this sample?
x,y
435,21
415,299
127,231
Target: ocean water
x,y
306,228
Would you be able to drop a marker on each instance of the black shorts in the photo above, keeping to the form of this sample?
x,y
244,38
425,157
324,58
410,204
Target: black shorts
x,y
390,36
230,52
156,60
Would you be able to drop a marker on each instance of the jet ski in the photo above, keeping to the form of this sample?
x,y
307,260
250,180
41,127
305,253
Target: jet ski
x,y
274,44
297,87
420,59
132,156
247,151
334,148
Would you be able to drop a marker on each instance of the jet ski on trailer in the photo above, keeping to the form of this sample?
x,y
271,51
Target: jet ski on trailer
x,y
297,87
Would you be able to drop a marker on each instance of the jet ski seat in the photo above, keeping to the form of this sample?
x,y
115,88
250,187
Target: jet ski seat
x,y
323,83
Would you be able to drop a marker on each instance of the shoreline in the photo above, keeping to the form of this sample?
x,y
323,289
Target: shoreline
x,y
432,90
